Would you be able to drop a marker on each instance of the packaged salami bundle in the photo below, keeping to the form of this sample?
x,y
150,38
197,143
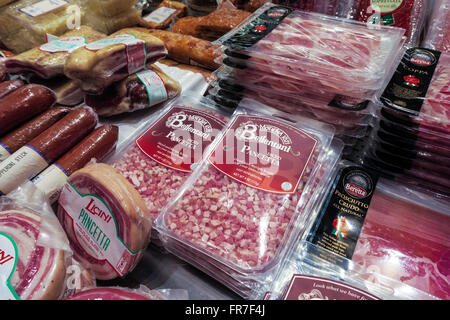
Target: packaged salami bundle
x,y
249,198
389,228
164,151
35,252
437,36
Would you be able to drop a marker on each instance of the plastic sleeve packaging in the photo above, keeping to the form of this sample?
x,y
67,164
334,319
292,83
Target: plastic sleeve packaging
x,y
26,24
437,35
105,219
301,45
101,63
144,89
108,25
382,238
47,60
124,293
164,14
156,178
107,8
39,252
237,232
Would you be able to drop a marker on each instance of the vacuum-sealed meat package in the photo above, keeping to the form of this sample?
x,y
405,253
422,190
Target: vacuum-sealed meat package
x,y
108,8
108,25
418,92
307,46
98,64
35,251
408,14
388,228
105,219
26,24
160,159
138,91
437,36
237,213
164,14
47,60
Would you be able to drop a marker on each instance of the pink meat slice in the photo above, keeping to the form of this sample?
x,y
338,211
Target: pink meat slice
x,y
114,293
438,34
406,242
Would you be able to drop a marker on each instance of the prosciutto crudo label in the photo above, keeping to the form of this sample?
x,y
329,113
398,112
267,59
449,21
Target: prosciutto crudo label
x,y
264,153
178,139
8,263
136,52
95,228
305,287
67,44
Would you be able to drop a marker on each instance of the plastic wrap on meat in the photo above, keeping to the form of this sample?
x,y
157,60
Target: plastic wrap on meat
x,y
438,33
407,242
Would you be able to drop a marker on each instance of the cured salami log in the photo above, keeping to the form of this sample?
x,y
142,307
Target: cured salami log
x,y
40,272
141,90
47,60
105,219
98,64
9,86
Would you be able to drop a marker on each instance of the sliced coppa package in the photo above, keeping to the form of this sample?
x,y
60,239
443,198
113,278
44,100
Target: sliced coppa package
x,y
389,228
437,35
237,212
307,45
164,150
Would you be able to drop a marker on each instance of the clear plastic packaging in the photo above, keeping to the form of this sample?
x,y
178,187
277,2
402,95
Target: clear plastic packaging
x,y
157,178
98,64
105,219
310,274
417,97
26,24
138,91
47,60
35,249
437,35
328,7
108,8
108,25
228,223
408,14
382,238
310,45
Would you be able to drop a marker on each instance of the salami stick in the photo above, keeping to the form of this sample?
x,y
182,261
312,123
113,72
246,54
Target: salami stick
x,y
95,146
23,104
9,86
19,137
34,157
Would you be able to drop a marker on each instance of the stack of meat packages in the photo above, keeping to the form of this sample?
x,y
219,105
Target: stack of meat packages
x,y
318,66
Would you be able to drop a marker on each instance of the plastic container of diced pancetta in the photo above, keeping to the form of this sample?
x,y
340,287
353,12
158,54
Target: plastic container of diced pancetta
x,y
437,35
161,154
308,45
400,232
250,197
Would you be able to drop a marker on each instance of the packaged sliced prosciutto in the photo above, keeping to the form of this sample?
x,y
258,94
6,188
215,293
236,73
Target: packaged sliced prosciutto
x,y
35,252
388,228
307,46
161,155
437,36
249,198
105,219
310,274
418,92
409,15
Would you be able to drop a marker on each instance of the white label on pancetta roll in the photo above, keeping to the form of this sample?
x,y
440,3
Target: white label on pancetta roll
x,y
19,167
159,15
156,90
4,152
42,7
95,228
67,44
51,181
8,262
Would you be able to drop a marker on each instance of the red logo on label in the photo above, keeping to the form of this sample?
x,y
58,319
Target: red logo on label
x,y
260,28
4,257
96,211
355,190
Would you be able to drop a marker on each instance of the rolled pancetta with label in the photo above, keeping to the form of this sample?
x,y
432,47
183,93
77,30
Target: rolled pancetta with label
x,y
98,64
105,219
138,91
